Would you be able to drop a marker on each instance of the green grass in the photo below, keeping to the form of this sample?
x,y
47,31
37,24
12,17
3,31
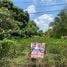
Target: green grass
x,y
50,41
26,42
51,44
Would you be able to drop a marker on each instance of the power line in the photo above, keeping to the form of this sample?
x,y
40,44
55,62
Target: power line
x,y
45,12
28,2
39,2
48,5
56,4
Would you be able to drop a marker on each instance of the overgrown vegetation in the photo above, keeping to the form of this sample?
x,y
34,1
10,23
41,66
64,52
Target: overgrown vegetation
x,y
17,32
15,49
59,26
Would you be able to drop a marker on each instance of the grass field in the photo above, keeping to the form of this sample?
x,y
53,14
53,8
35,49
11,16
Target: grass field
x,y
53,47
56,50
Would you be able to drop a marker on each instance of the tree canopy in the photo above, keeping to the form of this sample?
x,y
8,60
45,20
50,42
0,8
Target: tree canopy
x,y
14,21
59,26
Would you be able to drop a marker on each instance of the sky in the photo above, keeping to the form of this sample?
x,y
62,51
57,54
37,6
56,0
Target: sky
x,y
42,12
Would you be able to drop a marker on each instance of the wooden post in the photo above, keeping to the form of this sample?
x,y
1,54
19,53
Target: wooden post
x,y
33,62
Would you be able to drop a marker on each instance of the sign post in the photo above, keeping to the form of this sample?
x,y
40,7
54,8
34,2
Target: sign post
x,y
37,51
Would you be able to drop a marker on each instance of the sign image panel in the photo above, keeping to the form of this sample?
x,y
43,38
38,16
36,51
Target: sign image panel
x,y
37,50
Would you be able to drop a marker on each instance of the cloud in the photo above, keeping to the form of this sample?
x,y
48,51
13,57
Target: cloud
x,y
31,9
43,21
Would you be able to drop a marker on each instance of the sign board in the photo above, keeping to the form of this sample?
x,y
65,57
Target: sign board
x,y
37,50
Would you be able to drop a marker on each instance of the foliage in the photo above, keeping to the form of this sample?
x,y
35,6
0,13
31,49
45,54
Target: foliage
x,y
7,48
31,29
59,26
12,19
15,49
14,22
55,49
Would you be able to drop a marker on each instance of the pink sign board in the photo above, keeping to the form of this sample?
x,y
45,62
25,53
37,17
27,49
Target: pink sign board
x,y
37,50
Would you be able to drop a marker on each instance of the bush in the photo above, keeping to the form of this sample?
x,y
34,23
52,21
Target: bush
x,y
8,48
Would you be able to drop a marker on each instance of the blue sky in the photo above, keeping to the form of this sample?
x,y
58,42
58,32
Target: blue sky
x,y
41,11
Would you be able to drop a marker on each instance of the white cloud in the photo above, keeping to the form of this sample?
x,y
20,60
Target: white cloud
x,y
31,9
43,21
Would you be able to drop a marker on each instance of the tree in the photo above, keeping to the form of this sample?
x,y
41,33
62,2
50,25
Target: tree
x,y
31,29
12,19
59,26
